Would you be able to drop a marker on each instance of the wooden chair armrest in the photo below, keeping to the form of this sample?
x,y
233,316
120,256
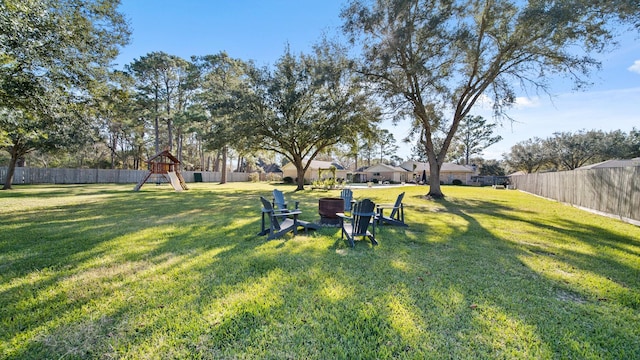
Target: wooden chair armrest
x,y
287,213
388,206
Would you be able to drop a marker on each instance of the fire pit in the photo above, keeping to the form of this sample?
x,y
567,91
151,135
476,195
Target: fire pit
x,y
328,207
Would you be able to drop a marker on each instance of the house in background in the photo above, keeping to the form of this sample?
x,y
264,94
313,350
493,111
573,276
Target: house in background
x,y
316,167
407,172
448,172
383,172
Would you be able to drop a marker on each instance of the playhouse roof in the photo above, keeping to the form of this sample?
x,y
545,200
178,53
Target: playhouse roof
x,y
164,153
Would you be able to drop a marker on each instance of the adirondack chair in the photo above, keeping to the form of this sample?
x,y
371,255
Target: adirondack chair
x,y
281,222
280,203
397,212
358,223
347,196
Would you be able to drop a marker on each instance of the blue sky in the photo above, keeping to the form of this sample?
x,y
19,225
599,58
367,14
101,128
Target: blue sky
x,y
260,29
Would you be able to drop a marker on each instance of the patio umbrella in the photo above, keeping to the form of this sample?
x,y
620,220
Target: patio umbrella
x,y
424,176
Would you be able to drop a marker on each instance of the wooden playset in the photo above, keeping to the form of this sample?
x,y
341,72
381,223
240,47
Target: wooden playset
x,y
164,165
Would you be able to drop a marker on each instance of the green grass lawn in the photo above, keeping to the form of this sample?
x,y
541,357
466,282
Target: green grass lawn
x,y
99,271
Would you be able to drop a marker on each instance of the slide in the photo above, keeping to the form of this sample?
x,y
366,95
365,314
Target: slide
x,y
174,181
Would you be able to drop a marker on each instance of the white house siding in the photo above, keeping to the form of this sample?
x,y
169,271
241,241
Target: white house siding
x,y
383,172
448,172
312,171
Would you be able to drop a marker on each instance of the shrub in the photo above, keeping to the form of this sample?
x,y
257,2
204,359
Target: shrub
x,y
254,177
288,180
456,182
274,177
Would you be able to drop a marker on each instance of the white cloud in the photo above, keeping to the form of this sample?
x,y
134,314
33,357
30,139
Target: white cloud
x,y
635,67
484,102
526,102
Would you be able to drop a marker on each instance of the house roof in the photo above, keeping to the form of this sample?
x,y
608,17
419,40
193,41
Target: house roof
x,y
446,167
316,164
272,168
419,166
451,167
612,164
385,168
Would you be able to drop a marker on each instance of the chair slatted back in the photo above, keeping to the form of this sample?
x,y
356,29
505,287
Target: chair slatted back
x,y
347,195
278,199
397,205
362,213
268,208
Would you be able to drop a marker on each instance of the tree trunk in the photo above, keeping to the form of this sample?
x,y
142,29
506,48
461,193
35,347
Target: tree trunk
x,y
10,171
216,163
223,178
300,172
356,163
170,132
114,147
179,146
156,126
434,179
466,155
16,154
201,154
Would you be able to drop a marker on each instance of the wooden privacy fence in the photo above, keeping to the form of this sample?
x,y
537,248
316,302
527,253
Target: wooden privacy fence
x,y
26,175
611,191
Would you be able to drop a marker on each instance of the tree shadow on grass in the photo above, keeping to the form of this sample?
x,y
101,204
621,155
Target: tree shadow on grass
x,y
207,286
102,243
502,260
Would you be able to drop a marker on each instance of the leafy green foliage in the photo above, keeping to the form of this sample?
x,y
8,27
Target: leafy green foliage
x,y
528,156
474,135
165,84
571,150
306,105
52,55
222,80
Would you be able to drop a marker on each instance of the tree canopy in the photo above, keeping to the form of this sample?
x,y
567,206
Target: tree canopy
x,y
434,59
474,135
429,61
222,83
53,54
571,150
306,105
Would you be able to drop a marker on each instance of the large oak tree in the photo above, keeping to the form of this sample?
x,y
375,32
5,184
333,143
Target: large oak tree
x,y
435,59
52,54
307,104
